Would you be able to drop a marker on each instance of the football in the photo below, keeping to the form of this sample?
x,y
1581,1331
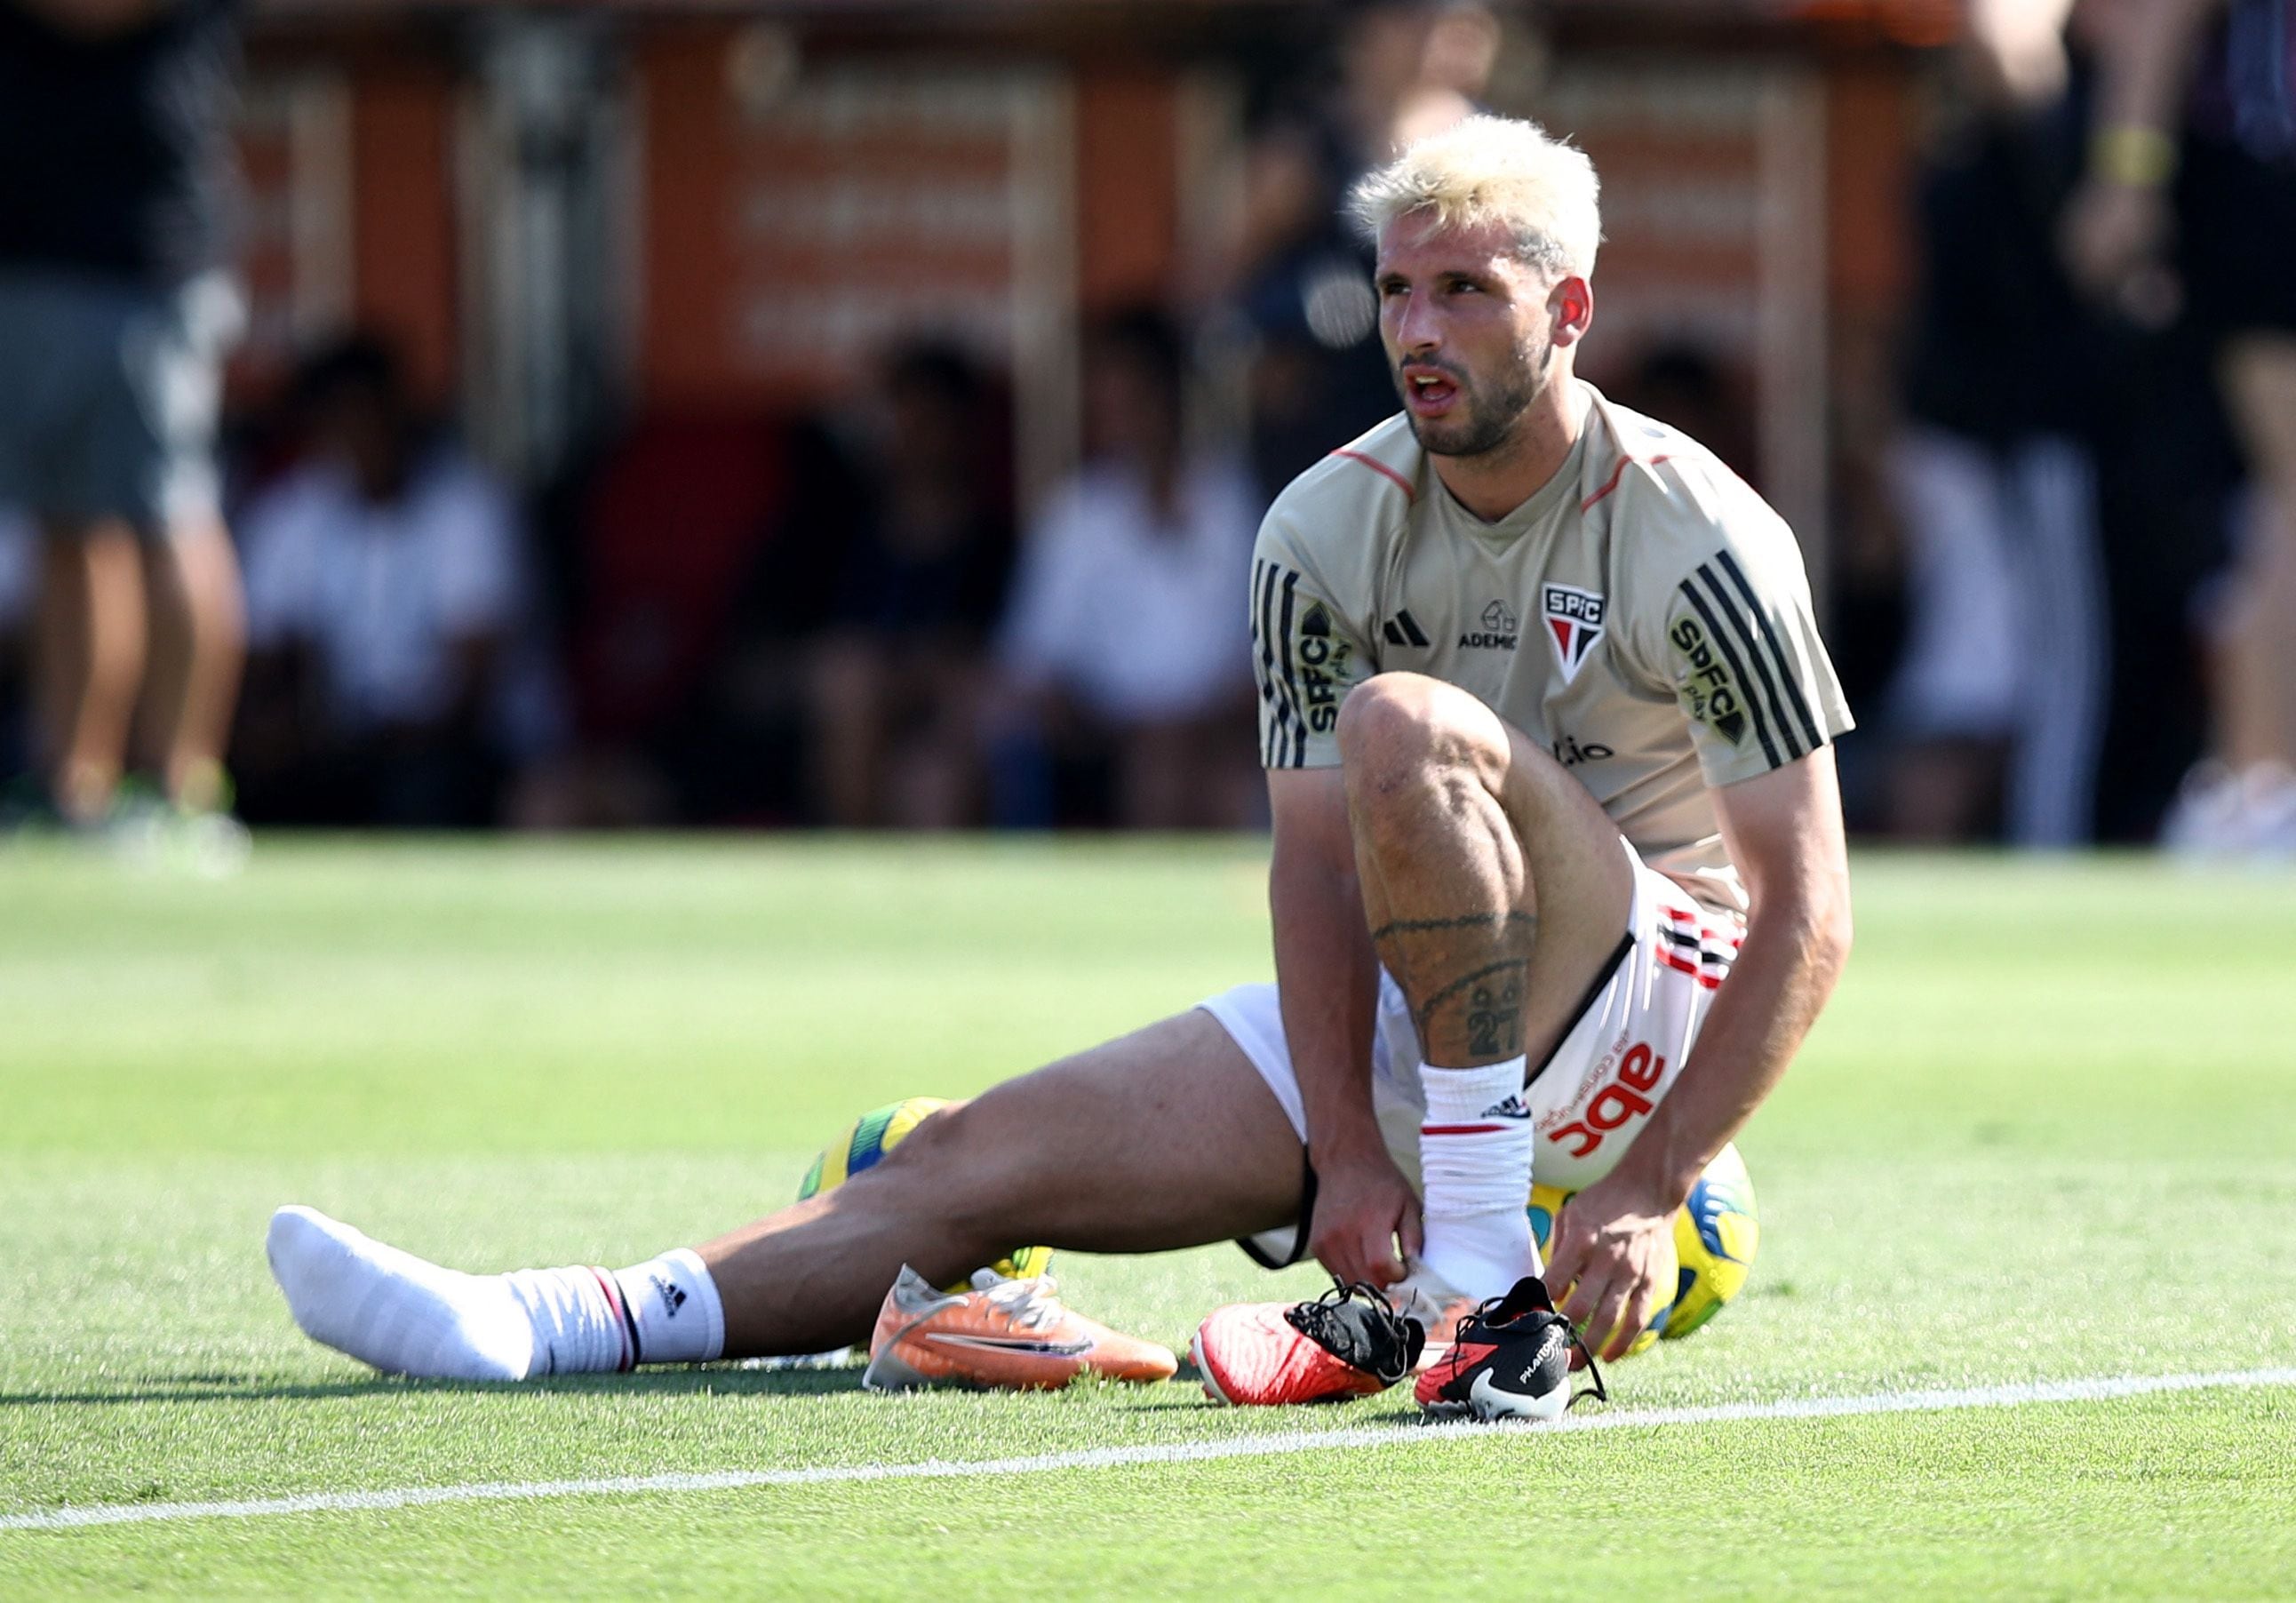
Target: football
x,y
1714,1237
868,1139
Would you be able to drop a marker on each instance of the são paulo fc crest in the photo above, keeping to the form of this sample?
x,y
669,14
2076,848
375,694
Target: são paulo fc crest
x,y
1574,622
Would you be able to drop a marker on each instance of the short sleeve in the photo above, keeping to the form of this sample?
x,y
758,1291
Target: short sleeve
x,y
476,558
1743,656
280,559
1306,652
1038,641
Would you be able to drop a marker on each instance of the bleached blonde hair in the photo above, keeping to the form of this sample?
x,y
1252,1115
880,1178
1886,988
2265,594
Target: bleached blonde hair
x,y
1494,169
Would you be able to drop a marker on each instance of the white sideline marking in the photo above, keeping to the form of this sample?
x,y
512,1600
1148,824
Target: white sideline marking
x,y
1179,1453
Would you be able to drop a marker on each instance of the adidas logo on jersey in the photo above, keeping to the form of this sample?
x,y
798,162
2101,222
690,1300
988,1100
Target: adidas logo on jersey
x,y
1403,630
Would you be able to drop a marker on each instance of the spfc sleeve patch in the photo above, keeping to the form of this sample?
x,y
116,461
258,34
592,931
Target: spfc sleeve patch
x,y
1574,624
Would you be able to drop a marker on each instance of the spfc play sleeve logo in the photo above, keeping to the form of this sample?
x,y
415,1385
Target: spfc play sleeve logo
x,y
1323,668
1574,622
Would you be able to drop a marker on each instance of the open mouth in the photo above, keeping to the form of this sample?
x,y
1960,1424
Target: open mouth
x,y
1428,391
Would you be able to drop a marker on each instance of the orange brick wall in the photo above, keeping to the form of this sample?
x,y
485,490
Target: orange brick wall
x,y
403,279
686,256
1128,189
1868,164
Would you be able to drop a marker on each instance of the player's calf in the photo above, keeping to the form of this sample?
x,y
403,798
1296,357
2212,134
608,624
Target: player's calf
x,y
964,1190
1447,897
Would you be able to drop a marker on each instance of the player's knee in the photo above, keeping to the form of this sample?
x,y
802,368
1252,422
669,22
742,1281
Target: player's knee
x,y
960,1166
1401,734
935,1152
1392,721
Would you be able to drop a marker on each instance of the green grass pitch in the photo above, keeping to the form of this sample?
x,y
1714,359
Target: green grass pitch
x,y
2047,1131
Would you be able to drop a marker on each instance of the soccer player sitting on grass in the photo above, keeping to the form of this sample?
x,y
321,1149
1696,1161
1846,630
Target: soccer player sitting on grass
x,y
1547,730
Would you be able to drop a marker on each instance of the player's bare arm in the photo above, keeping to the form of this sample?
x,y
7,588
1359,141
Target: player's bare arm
x,y
1785,834
1325,979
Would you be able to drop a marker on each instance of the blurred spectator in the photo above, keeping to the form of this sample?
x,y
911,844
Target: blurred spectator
x,y
1685,383
19,565
2001,692
1125,640
1298,272
114,315
383,589
2189,206
897,675
19,577
673,536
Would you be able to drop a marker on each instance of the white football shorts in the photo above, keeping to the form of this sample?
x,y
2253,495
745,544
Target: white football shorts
x,y
1615,1064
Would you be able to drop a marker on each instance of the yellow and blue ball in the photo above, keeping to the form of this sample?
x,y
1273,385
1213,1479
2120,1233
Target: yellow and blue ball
x,y
1715,1238
863,1143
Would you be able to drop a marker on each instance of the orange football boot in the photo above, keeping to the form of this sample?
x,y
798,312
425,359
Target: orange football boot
x,y
1008,1335
1349,1343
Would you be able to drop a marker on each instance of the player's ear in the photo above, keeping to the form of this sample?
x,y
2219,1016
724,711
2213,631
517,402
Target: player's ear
x,y
1570,304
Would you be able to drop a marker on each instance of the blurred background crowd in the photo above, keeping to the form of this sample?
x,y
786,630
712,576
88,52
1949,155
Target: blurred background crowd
x,y
858,414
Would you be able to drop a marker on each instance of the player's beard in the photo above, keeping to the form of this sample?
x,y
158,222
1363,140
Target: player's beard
x,y
1490,425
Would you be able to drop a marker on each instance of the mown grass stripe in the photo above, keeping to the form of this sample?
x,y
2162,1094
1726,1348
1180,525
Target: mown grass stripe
x,y
1185,1453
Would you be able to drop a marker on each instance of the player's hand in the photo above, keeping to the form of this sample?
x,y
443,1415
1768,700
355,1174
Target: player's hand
x,y
1611,1261
1363,1209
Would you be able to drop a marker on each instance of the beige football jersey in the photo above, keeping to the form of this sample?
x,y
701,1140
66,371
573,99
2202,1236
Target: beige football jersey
x,y
1645,617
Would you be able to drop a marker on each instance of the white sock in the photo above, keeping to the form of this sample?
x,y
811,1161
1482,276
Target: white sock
x,y
401,1313
407,1316
574,1318
1475,1167
680,1319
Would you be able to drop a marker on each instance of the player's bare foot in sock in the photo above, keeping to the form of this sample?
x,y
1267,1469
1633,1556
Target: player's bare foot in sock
x,y
408,1316
402,1314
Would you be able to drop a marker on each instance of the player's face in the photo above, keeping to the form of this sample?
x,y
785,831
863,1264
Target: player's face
x,y
1469,331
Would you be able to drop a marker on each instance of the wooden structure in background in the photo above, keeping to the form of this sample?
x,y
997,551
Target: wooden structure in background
x,y
800,182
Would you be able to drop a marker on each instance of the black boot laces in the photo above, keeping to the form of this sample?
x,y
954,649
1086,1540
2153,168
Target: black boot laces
x,y
1357,1324
1597,1391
